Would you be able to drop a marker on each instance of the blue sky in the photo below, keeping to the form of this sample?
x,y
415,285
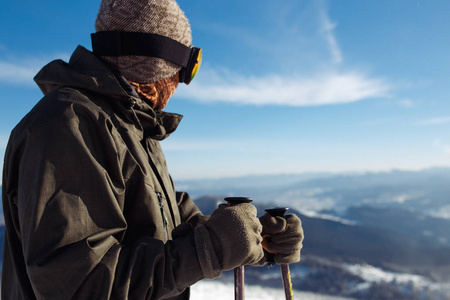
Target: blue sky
x,y
285,87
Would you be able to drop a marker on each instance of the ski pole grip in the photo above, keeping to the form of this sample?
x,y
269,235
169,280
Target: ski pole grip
x,y
277,211
238,271
274,212
231,201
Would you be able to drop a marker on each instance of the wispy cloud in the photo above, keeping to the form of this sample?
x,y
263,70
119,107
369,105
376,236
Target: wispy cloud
x,y
436,121
316,84
16,73
406,103
322,89
442,146
327,31
22,70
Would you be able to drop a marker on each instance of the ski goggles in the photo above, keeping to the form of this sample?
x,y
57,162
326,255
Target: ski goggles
x,y
121,43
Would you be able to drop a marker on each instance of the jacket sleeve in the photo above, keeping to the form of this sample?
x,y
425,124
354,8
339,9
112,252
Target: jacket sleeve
x,y
70,220
189,211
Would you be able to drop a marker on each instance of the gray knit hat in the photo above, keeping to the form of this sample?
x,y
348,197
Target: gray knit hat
x,y
163,17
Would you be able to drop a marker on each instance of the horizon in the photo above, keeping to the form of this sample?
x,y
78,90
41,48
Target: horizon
x,y
302,87
310,174
322,173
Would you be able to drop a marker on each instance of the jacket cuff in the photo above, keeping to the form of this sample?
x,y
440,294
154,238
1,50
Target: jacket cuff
x,y
207,256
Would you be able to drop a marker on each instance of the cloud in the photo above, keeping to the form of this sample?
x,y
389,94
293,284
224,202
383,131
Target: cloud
x,y
327,31
323,89
15,73
317,84
446,149
406,103
22,70
435,121
442,146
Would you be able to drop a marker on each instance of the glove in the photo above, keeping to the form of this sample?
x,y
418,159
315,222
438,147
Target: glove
x,y
230,238
283,237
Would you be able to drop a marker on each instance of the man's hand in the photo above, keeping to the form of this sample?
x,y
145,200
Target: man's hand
x,y
283,237
235,237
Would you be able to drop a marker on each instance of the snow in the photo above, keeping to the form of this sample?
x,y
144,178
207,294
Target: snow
x,y
210,289
372,274
314,214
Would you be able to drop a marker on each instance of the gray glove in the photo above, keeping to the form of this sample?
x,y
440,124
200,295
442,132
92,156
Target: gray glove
x,y
229,239
283,237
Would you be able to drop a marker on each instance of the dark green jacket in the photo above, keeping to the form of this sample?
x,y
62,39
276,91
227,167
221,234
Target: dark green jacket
x,y
88,202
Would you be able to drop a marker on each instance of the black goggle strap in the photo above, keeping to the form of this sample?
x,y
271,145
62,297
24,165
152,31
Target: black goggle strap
x,y
120,43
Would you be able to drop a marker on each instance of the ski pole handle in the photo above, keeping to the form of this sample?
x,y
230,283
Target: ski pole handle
x,y
277,211
239,271
231,201
274,212
285,272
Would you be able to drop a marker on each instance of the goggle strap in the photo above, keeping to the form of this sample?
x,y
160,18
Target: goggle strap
x,y
120,43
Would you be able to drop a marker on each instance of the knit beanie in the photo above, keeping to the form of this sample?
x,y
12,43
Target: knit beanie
x,y
163,17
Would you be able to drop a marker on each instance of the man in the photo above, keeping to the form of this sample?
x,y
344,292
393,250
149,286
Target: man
x,y
90,209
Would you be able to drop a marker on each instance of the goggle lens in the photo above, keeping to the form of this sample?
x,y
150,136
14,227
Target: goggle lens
x,y
197,64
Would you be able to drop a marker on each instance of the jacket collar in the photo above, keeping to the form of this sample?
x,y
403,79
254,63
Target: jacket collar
x,y
85,71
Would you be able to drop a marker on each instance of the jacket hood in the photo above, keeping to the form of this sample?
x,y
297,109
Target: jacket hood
x,y
85,71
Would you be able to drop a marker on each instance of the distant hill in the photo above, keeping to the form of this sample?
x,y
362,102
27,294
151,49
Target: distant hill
x,y
432,231
394,240
426,191
379,244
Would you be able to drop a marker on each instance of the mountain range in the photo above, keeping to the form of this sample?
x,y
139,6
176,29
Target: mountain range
x,y
426,191
394,223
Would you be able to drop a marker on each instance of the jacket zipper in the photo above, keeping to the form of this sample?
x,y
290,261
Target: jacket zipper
x,y
131,104
163,214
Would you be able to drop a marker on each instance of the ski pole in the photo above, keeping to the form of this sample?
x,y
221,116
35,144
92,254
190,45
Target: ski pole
x,y
239,271
285,273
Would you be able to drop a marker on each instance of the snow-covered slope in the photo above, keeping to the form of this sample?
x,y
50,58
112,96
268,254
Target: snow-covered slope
x,y
210,289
